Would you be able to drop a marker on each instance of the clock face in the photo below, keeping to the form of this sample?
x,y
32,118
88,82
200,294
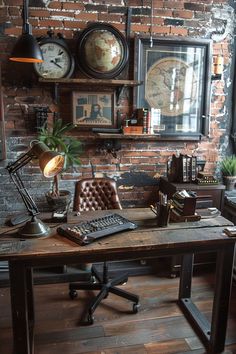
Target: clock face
x,y
58,62
171,85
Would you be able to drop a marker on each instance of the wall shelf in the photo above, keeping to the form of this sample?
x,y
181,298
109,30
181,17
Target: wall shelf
x,y
145,137
88,82
118,84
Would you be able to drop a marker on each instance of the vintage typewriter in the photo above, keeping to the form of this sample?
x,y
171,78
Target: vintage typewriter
x,y
90,231
206,178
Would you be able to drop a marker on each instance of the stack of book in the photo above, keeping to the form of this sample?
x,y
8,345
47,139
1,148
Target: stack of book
x,y
183,206
182,168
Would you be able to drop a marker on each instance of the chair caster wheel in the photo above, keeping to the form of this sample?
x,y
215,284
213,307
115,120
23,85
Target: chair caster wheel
x,y
73,294
135,308
90,319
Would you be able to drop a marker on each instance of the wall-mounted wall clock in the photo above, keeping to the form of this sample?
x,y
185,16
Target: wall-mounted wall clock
x,y
58,61
102,51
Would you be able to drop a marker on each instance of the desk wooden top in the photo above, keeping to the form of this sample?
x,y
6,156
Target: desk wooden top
x,y
146,238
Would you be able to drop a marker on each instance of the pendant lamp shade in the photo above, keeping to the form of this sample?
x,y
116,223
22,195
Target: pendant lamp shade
x,y
26,49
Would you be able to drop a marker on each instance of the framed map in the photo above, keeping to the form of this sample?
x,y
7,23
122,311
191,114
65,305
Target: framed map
x,y
176,76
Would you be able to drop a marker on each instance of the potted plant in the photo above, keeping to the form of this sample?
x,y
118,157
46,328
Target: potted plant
x,y
56,139
228,170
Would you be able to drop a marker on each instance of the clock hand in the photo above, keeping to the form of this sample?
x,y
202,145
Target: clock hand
x,y
52,61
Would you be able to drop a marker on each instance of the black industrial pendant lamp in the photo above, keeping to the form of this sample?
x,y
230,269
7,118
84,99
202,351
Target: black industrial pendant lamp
x,y
26,49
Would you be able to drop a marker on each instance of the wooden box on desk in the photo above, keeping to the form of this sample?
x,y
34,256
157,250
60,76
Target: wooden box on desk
x,y
207,195
185,207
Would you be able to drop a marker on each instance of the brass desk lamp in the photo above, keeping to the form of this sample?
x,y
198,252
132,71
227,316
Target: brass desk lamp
x,y
51,163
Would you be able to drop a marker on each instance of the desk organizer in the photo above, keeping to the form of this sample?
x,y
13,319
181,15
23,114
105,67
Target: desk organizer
x,y
183,207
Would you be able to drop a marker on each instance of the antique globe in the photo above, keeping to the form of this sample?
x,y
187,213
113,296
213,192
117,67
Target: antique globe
x,y
103,51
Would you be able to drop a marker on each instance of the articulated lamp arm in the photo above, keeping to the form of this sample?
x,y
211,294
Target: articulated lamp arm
x,y
51,163
15,177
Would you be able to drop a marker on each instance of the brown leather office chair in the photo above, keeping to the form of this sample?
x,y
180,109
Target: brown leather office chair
x,y
95,194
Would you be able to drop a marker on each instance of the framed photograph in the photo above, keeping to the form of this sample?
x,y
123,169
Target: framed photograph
x,y
92,109
176,84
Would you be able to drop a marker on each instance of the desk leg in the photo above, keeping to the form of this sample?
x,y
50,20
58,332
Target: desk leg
x,y
22,307
224,267
186,273
213,335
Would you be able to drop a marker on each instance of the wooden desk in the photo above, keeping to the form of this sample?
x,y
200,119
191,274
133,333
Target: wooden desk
x,y
144,242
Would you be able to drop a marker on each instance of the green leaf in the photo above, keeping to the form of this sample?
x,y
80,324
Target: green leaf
x,y
56,139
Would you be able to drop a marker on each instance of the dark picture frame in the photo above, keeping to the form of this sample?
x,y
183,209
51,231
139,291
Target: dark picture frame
x,y
97,62
94,109
176,83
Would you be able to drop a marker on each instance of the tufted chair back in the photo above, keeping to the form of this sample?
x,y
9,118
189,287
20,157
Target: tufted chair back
x,y
96,194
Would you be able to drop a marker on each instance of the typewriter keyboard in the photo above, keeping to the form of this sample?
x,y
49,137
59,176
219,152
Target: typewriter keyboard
x,y
87,232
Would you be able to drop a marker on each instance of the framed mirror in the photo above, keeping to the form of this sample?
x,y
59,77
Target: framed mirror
x,y
176,76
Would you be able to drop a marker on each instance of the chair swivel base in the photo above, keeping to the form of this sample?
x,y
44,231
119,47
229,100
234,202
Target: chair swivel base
x,y
105,286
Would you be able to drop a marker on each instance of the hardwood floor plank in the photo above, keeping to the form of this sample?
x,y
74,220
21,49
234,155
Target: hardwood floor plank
x,y
158,328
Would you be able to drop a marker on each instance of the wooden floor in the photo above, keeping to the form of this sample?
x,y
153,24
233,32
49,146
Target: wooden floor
x,y
159,327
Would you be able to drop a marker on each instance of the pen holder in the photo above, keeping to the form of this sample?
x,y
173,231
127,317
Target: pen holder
x,y
163,215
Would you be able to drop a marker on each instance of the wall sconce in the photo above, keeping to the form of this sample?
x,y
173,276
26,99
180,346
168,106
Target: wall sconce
x,y
26,49
51,163
218,66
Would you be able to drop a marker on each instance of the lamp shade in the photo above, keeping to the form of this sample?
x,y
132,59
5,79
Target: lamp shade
x,y
50,162
27,50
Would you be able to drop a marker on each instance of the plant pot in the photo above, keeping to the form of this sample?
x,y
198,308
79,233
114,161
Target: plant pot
x,y
60,202
229,182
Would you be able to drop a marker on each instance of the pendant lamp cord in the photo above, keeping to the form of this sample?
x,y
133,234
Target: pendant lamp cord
x,y
150,30
25,16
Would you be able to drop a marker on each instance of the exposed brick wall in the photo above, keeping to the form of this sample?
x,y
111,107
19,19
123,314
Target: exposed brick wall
x,y
138,164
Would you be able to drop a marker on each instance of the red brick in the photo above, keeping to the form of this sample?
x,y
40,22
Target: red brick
x,y
85,16
179,31
14,31
74,24
139,28
156,21
162,12
110,18
13,3
14,11
158,3
55,5
64,14
39,13
3,12
161,30
173,4
50,23
72,6
183,14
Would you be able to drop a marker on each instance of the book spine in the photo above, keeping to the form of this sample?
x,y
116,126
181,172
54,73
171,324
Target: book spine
x,y
148,122
145,111
193,168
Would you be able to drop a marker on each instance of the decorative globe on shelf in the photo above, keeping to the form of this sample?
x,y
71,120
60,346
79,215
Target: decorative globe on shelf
x,y
102,51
